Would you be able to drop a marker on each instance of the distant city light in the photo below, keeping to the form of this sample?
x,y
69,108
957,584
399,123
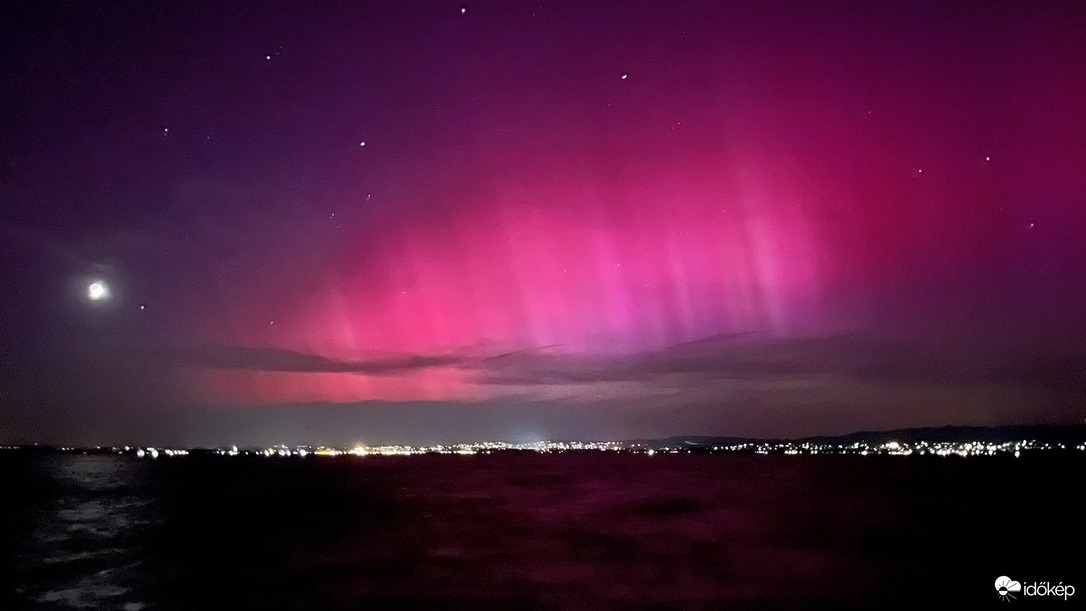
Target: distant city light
x,y
961,449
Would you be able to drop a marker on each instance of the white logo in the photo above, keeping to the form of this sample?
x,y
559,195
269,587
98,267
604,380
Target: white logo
x,y
1005,586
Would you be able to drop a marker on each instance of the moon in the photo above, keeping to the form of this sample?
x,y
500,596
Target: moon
x,y
97,291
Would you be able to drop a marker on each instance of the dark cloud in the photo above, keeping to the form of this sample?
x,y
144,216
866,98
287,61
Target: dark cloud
x,y
751,358
277,359
727,386
745,385
745,360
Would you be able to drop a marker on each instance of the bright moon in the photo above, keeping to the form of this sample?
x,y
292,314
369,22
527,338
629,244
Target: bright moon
x,y
97,291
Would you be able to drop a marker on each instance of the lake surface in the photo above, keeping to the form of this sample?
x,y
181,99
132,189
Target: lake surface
x,y
535,531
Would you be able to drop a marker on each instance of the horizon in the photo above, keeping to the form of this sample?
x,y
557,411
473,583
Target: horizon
x,y
522,444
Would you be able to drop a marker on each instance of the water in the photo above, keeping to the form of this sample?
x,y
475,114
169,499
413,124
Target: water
x,y
528,531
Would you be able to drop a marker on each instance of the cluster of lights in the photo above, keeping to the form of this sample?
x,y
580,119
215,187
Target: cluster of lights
x,y
155,452
484,447
790,448
894,448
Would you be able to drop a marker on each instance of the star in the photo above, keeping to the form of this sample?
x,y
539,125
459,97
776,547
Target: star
x,y
363,143
267,58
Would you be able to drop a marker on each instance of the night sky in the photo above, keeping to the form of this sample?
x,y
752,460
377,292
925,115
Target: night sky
x,y
365,222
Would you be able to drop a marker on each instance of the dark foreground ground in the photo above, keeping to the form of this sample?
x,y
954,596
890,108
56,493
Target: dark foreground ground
x,y
527,531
